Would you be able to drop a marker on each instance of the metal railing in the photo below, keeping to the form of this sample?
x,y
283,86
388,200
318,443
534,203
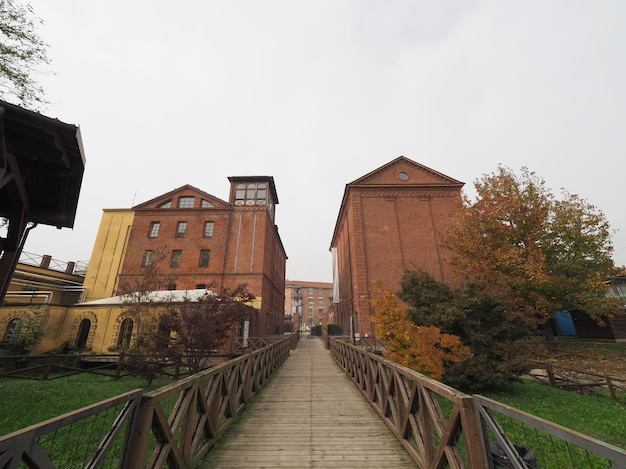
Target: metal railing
x,y
523,440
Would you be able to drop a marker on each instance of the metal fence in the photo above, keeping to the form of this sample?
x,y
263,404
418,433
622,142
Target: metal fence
x,y
519,440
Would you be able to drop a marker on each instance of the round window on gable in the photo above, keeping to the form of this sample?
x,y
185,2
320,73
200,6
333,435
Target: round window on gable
x,y
403,176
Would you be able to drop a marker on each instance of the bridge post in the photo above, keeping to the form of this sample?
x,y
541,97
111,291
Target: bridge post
x,y
473,433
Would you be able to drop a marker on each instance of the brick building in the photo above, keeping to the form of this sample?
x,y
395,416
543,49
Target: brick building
x,y
307,302
390,220
202,242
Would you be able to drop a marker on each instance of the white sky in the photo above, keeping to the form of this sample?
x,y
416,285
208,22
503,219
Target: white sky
x,y
319,93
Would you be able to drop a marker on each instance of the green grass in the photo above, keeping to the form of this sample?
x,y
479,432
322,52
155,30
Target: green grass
x,y
591,415
27,402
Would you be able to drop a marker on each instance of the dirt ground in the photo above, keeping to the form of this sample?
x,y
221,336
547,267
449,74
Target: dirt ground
x,y
599,358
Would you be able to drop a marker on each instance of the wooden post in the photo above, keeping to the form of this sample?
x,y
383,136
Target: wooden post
x,y
120,364
609,384
473,433
138,441
48,369
551,375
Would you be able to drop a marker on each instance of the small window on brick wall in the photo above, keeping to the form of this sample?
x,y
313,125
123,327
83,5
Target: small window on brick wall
x,y
205,255
208,229
181,229
186,202
148,258
154,229
176,257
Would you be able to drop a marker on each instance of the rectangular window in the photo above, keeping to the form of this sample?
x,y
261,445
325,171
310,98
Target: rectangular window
x,y
181,229
154,229
208,229
252,193
176,257
205,255
310,309
148,258
320,311
186,202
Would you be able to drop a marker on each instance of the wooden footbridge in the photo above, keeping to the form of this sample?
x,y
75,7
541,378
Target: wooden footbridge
x,y
310,403
309,414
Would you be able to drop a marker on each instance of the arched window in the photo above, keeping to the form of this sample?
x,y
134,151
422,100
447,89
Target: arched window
x,y
83,333
126,333
12,332
163,335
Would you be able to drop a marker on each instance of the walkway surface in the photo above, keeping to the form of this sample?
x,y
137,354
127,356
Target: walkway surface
x,y
309,415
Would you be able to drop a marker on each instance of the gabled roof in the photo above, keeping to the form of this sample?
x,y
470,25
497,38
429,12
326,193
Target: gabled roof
x,y
417,174
157,201
400,172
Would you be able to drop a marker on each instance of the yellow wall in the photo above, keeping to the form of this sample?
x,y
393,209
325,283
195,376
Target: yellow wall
x,y
108,253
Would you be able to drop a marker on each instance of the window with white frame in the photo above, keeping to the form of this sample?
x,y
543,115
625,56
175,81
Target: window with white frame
x,y
209,226
177,255
186,202
181,229
154,229
148,258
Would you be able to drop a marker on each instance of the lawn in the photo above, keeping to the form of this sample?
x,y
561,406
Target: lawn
x,y
591,415
26,402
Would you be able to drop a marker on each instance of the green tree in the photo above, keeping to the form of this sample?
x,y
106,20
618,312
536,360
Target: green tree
x,y
520,245
21,51
497,337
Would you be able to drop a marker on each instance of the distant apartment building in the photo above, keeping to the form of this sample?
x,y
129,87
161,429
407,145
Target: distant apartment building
x,y
390,220
307,302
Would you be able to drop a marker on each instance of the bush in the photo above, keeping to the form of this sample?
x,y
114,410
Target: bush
x,y
334,329
316,330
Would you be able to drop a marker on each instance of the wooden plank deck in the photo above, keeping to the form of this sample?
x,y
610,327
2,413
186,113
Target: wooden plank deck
x,y
309,415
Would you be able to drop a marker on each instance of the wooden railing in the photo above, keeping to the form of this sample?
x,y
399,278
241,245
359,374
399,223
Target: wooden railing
x,y
582,381
172,427
178,424
435,423
94,436
442,427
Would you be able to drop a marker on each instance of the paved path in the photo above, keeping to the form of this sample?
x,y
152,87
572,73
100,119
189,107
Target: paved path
x,y
309,415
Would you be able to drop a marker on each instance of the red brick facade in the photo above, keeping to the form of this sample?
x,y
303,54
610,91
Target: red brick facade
x,y
224,244
390,220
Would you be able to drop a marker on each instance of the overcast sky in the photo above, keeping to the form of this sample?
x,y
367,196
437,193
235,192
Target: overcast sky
x,y
319,93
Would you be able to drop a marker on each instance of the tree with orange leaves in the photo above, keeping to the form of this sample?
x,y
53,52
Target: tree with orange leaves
x,y
422,348
534,253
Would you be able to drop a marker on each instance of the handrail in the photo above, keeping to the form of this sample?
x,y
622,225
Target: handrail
x,y
206,404
552,444
38,446
411,406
